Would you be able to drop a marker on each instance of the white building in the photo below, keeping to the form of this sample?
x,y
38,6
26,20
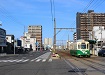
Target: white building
x,y
98,33
28,41
10,38
47,42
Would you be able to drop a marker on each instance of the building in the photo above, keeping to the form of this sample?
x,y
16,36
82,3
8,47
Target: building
x,y
86,21
10,38
2,40
35,31
75,36
28,42
47,42
10,44
98,33
99,36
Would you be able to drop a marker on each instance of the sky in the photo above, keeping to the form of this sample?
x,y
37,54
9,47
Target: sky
x,y
15,14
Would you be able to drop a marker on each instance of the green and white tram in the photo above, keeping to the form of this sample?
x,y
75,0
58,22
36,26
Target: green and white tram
x,y
80,48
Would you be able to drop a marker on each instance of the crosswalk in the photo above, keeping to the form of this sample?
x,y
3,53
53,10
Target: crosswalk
x,y
26,60
41,58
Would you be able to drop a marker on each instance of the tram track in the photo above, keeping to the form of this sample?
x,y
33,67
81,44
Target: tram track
x,y
96,66
91,64
74,68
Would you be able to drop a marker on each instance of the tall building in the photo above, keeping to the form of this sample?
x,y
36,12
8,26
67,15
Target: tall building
x,y
48,41
86,21
35,31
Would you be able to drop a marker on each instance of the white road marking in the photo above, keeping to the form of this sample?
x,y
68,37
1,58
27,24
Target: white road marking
x,y
11,60
4,61
50,60
25,60
23,57
43,60
38,60
19,60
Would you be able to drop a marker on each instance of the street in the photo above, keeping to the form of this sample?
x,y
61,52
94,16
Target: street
x,y
37,63
42,63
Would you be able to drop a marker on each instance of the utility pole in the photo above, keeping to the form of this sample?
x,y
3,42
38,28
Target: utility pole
x,y
93,51
101,33
54,45
68,43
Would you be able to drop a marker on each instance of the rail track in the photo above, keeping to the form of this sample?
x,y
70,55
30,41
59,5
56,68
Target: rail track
x,y
94,64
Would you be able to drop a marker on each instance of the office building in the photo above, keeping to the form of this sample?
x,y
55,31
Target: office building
x,y
2,40
35,31
86,21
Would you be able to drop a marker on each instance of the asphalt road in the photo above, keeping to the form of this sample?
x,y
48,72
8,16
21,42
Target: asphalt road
x,y
36,63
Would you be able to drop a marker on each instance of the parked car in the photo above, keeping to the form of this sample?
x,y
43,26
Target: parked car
x,y
101,52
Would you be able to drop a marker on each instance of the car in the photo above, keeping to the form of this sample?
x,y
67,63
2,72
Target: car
x,y
101,52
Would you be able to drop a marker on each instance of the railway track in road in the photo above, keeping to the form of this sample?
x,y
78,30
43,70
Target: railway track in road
x,y
97,66
94,64
74,68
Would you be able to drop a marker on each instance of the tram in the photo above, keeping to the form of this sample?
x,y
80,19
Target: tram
x,y
80,48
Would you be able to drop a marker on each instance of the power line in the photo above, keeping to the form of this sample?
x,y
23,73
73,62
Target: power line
x,y
54,8
90,2
51,10
99,3
8,16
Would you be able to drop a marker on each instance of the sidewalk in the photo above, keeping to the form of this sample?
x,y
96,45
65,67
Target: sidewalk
x,y
3,54
6,55
93,56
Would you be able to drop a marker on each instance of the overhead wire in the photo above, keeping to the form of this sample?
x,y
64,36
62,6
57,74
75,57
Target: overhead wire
x,y
87,6
54,8
6,14
51,9
99,3
90,2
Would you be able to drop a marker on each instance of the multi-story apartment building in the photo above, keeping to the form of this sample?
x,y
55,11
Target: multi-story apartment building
x,y
35,31
86,21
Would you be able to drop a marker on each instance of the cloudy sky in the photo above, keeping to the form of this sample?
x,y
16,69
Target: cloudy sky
x,y
15,14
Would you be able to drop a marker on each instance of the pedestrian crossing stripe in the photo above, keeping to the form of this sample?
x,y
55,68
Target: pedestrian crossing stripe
x,y
43,60
38,60
26,60
50,60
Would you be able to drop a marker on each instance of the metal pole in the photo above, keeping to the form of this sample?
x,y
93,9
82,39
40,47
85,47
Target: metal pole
x,y
54,34
101,38
14,47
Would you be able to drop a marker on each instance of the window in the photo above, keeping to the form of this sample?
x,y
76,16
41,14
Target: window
x,y
83,46
78,46
87,46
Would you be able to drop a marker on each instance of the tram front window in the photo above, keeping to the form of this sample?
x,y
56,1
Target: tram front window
x,y
83,46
